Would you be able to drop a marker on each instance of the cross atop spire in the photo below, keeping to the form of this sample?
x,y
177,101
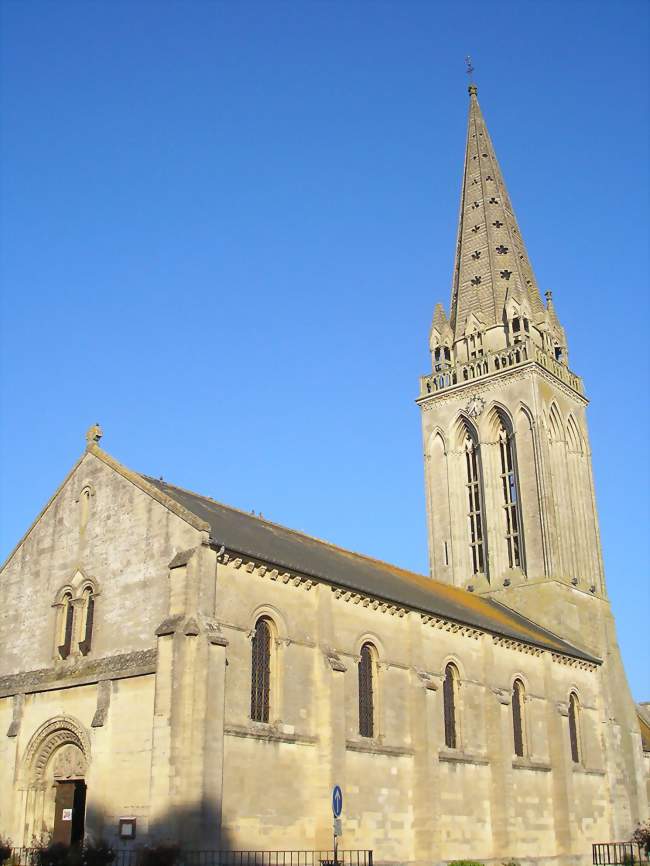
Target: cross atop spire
x,y
491,259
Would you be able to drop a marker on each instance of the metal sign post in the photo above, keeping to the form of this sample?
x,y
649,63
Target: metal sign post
x,y
337,808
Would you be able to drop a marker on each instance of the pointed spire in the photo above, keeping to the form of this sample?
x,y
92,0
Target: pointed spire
x,y
491,259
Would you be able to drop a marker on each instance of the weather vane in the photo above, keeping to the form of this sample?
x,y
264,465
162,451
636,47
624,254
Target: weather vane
x,y
470,68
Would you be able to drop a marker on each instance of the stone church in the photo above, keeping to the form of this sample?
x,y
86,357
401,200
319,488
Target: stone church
x,y
172,667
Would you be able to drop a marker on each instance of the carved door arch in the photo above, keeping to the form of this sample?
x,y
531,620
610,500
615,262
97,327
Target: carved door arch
x,y
52,777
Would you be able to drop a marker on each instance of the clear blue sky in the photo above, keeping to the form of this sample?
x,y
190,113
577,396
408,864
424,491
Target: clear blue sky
x,y
225,226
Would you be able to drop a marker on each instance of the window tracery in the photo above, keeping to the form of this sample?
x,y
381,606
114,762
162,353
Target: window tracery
x,y
474,486
510,494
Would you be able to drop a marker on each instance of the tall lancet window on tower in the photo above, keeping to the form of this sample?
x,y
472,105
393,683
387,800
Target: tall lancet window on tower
x,y
510,492
475,505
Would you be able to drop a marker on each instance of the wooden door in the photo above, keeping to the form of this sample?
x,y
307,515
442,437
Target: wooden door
x,y
63,808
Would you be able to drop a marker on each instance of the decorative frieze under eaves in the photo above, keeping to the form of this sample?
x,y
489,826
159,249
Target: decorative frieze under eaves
x,y
351,597
450,626
518,645
571,662
263,570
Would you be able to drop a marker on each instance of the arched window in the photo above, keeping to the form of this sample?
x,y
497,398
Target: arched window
x,y
88,619
67,620
518,721
510,493
261,671
574,727
474,486
367,684
449,694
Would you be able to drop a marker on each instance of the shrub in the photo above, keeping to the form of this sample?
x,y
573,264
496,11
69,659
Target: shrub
x,y
50,854
511,863
162,854
97,853
5,849
465,863
642,836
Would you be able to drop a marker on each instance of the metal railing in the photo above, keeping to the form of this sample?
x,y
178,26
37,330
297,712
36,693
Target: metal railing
x,y
495,362
134,857
619,854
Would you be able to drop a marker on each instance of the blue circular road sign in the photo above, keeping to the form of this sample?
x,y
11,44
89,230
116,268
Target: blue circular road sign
x,y
337,801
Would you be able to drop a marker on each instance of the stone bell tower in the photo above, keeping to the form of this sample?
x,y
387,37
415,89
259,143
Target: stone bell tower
x,y
509,488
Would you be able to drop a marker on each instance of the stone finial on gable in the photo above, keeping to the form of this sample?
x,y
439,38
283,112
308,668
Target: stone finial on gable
x,y
93,435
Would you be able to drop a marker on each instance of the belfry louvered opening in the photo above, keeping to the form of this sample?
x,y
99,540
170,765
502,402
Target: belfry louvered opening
x,y
475,512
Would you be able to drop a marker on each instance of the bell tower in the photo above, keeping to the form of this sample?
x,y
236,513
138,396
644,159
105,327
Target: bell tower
x,y
510,495
509,489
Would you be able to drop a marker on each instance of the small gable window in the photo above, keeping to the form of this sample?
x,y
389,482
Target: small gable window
x,y
67,622
87,621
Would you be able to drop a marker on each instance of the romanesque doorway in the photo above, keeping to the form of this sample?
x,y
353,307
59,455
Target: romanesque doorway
x,y
54,772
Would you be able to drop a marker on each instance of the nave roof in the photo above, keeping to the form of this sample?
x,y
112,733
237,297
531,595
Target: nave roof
x,y
260,539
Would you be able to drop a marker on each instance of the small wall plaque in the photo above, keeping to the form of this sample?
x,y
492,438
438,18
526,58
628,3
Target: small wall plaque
x,y
66,815
127,828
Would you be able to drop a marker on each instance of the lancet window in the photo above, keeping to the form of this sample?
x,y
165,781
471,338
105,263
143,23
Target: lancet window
x,y
367,690
518,721
574,727
510,494
261,671
475,511
449,694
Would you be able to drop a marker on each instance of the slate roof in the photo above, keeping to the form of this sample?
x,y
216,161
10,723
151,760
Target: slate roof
x,y
271,543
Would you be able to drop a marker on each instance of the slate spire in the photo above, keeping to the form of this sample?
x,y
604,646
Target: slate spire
x,y
491,260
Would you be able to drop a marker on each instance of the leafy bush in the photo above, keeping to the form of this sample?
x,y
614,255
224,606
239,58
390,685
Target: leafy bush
x,y
50,854
97,853
465,863
642,836
162,854
5,849
511,863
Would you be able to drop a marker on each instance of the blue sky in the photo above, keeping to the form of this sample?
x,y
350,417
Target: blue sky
x,y
225,227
